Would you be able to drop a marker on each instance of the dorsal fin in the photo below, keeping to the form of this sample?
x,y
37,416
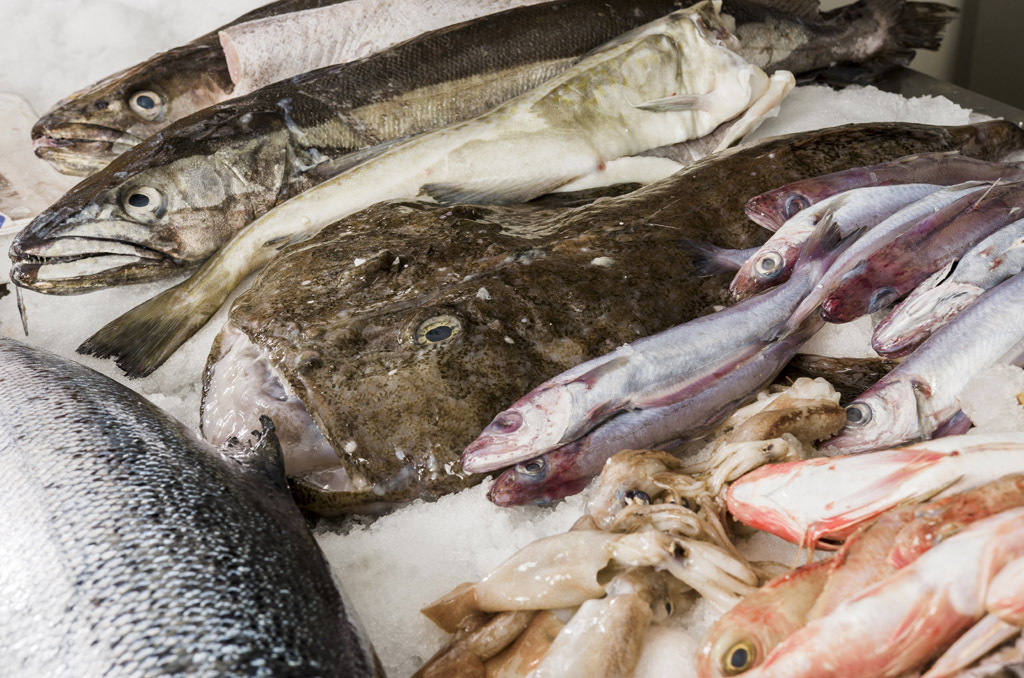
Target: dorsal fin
x,y
263,456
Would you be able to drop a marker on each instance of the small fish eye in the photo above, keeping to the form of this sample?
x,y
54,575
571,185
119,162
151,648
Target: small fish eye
x,y
739,658
637,497
507,422
858,414
146,104
794,203
533,467
144,204
769,264
437,330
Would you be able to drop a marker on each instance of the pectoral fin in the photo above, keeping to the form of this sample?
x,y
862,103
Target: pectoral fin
x,y
765,106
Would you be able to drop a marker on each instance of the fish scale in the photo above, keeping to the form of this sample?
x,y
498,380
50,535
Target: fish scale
x,y
134,549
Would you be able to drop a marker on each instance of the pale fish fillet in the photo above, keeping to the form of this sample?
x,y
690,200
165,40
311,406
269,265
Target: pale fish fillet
x,y
277,47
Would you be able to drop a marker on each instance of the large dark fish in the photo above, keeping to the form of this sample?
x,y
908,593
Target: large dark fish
x,y
131,548
91,127
173,200
401,331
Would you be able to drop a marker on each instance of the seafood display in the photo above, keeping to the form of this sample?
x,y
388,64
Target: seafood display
x,y
535,244
439,302
135,508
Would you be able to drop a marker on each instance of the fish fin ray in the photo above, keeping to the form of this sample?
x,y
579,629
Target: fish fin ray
x,y
488,192
676,102
710,259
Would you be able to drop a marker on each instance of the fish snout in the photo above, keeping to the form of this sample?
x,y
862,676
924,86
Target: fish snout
x,y
79,148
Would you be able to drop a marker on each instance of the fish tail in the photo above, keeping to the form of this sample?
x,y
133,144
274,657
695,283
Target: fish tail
x,y
908,26
142,339
920,25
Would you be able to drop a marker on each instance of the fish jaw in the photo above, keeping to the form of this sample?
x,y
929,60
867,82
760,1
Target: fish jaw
x,y
87,130
543,480
109,230
892,418
79,149
534,424
919,316
241,385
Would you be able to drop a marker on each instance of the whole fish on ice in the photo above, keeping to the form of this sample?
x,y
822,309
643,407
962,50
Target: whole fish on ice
x,y
683,365
819,502
400,332
134,549
773,208
173,200
669,81
937,301
920,398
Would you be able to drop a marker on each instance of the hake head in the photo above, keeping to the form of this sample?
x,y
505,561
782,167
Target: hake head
x,y
84,132
151,213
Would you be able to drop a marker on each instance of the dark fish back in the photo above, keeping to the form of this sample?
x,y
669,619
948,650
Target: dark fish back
x,y
134,549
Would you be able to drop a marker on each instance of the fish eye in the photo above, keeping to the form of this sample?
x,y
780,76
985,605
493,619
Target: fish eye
x,y
437,330
147,104
794,203
637,497
506,422
858,414
144,204
739,658
533,467
769,264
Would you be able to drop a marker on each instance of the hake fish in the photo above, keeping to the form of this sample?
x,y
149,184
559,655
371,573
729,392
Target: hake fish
x,y
91,127
400,332
133,549
173,200
674,79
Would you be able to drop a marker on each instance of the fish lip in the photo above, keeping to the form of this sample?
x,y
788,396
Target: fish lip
x,y
28,261
483,456
80,148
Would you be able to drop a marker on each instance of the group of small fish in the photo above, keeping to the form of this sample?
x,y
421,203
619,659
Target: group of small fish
x,y
392,320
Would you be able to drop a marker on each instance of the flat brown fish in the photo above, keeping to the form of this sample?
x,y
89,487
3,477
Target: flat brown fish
x,y
401,331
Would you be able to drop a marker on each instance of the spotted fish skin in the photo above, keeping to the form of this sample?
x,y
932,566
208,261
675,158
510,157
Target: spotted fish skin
x,y
134,549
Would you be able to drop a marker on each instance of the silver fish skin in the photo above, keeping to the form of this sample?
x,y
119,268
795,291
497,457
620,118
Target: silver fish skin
x,y
937,301
134,549
878,236
919,399
900,265
774,208
568,469
853,209
684,363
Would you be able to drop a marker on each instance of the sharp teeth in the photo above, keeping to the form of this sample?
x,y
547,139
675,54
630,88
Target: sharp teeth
x,y
83,267
76,248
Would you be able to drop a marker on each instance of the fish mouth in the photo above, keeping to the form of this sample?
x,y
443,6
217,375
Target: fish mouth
x,y
79,149
241,385
73,264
